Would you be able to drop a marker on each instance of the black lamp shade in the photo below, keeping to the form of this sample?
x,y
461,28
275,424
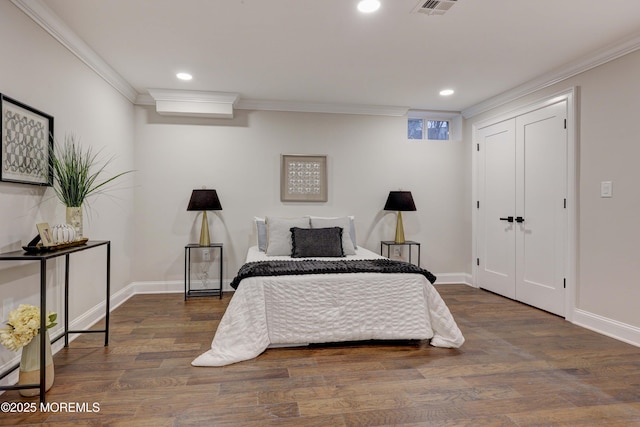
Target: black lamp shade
x,y
400,201
204,200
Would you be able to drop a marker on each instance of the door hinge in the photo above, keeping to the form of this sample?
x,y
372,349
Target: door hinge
x,y
478,147
478,204
565,203
564,282
477,261
565,123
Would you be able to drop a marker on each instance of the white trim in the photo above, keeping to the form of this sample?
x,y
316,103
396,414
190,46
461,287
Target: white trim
x,y
305,107
311,107
586,63
50,22
453,279
194,103
432,114
568,95
138,288
609,327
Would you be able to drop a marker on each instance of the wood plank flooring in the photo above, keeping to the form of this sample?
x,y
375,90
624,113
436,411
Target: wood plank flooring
x,y
519,367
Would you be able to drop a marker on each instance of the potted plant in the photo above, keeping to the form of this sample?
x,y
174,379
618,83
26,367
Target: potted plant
x,y
76,176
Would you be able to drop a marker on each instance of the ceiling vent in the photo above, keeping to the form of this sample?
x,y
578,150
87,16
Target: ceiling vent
x,y
434,7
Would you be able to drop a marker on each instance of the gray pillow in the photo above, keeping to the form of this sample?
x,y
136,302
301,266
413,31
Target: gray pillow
x,y
279,234
344,223
316,242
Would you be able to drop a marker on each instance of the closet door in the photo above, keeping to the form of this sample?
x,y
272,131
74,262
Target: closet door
x,y
521,212
496,208
541,191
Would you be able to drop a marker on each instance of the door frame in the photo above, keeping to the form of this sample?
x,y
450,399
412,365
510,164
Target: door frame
x,y
570,96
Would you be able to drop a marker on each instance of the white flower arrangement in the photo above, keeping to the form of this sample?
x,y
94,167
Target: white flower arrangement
x,y
23,325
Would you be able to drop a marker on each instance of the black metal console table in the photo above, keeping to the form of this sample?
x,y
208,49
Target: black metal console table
x,y
43,257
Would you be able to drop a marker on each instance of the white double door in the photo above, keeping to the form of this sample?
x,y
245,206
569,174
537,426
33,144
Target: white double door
x,y
521,211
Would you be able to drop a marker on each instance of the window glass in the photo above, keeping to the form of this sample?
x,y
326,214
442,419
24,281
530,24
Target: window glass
x,y
415,128
438,130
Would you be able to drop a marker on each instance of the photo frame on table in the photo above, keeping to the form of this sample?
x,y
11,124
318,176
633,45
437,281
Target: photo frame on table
x,y
303,178
27,143
45,234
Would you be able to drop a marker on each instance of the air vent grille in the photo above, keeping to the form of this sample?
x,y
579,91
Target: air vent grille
x,y
434,7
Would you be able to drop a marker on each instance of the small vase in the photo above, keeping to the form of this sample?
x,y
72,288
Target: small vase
x,y
74,219
30,366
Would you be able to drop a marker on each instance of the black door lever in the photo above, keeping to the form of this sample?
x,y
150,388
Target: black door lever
x,y
519,219
508,219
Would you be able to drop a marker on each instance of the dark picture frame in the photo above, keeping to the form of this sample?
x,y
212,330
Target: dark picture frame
x,y
303,178
27,144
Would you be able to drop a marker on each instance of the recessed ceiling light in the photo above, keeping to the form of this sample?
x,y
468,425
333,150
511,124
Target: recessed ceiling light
x,y
368,6
447,92
184,76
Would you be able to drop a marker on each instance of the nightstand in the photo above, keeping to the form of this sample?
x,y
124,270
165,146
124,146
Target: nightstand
x,y
205,259
409,243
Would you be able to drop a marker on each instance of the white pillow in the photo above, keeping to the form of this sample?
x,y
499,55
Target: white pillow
x,y
351,230
344,223
279,234
261,228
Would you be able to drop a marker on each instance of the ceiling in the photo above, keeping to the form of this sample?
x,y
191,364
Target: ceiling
x,y
326,52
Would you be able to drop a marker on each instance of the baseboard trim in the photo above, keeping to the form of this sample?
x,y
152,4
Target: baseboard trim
x,y
454,278
609,327
169,287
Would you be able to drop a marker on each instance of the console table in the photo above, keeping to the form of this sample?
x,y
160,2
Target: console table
x,y
43,257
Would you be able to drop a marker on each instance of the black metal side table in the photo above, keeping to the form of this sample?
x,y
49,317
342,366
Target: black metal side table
x,y
409,243
188,292
42,258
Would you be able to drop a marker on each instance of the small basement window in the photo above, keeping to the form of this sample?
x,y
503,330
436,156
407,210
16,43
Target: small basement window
x,y
423,125
436,130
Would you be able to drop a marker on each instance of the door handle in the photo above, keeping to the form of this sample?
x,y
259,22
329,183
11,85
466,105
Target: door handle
x,y
519,219
508,219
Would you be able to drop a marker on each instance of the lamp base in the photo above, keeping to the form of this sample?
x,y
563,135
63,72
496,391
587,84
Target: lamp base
x,y
205,239
399,230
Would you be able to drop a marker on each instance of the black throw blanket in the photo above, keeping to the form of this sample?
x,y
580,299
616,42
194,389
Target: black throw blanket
x,y
291,268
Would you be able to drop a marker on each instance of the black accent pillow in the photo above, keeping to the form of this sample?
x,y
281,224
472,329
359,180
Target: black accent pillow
x,y
316,242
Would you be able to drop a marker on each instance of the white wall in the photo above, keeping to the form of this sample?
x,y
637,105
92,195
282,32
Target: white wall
x,y
38,71
608,235
367,157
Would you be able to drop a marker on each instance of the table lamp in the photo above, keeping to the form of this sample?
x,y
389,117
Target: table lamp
x,y
204,200
399,201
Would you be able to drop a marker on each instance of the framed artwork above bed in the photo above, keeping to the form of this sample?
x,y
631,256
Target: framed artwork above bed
x,y
303,178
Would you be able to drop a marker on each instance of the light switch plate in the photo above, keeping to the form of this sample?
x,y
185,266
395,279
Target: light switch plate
x,y
606,189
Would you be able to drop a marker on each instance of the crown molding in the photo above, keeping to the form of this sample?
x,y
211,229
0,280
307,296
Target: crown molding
x,y
50,22
300,107
194,103
310,107
586,63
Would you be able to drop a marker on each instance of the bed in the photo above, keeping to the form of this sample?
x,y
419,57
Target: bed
x,y
298,300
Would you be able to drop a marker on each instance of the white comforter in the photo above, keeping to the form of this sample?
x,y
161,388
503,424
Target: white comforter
x,y
293,310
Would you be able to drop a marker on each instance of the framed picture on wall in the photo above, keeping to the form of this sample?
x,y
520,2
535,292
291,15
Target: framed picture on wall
x,y
303,178
27,142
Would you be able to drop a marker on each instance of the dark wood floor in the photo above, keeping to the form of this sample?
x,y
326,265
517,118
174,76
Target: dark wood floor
x,y
519,367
